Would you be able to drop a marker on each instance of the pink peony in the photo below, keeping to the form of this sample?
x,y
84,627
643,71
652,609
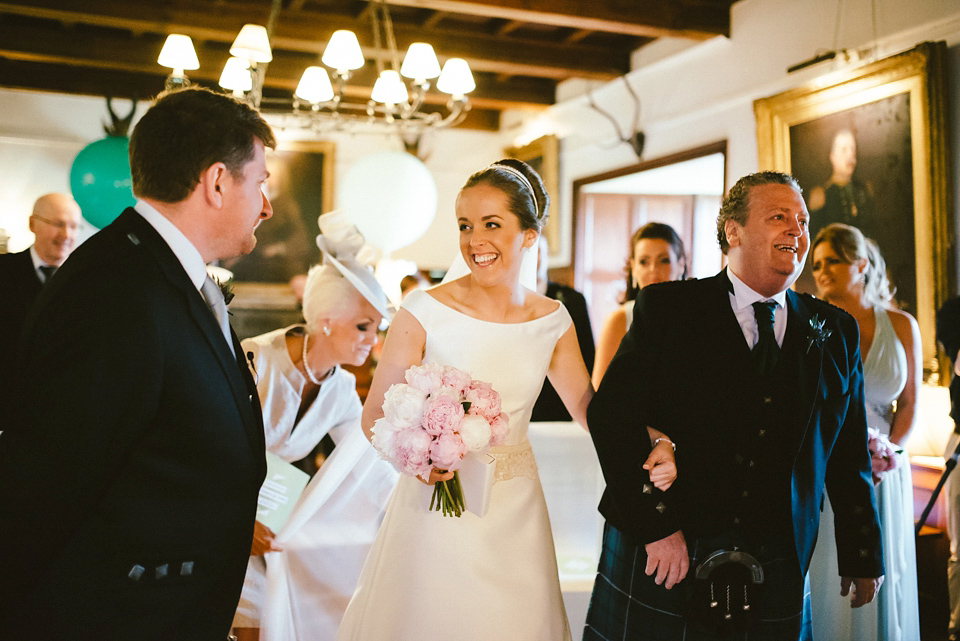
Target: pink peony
x,y
427,377
475,432
412,451
403,405
447,451
442,414
499,427
483,400
456,380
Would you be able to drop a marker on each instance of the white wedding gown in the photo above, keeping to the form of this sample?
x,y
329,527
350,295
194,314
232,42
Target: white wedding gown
x,y
470,578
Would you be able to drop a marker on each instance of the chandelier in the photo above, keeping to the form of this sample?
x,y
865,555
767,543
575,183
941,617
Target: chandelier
x,y
320,102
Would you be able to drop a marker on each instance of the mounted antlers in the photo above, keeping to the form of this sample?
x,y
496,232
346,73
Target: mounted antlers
x,y
121,125
636,137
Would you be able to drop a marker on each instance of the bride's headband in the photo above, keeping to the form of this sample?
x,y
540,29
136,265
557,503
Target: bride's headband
x,y
524,180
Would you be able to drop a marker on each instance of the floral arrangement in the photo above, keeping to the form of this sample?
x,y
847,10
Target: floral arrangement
x,y
432,421
883,454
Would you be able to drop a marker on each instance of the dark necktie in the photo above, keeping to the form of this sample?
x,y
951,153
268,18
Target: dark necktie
x,y
47,271
766,351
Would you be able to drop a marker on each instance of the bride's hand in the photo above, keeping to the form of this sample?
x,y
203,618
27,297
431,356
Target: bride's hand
x,y
662,465
436,476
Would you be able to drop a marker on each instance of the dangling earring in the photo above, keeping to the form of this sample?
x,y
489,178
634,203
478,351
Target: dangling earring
x,y
326,330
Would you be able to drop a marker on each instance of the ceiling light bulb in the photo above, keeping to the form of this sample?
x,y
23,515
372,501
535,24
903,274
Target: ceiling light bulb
x,y
252,44
456,79
420,63
178,54
343,52
315,86
389,88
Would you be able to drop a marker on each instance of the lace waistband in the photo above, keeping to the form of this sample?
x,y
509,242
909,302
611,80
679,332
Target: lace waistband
x,y
513,461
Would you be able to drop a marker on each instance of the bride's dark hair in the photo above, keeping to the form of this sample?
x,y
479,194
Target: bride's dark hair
x,y
526,195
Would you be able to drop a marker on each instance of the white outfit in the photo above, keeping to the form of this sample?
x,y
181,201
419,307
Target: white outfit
x,y
471,578
894,613
301,592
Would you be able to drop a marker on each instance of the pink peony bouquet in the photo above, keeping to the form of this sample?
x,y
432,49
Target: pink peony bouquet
x,y
883,453
435,419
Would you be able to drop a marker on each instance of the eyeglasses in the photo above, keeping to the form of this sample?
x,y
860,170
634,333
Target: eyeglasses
x,y
59,224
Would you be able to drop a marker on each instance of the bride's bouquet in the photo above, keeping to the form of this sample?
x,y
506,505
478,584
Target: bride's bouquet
x,y
435,419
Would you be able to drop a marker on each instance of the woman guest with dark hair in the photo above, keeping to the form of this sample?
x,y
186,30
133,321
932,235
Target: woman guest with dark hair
x,y
851,274
656,256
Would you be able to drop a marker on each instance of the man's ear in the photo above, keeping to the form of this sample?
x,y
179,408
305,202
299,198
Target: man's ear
x,y
732,231
212,182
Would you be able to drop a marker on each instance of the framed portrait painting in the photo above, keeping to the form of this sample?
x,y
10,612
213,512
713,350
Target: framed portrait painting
x,y
869,149
300,188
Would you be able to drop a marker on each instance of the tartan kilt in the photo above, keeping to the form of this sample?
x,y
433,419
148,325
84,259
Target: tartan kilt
x,y
627,605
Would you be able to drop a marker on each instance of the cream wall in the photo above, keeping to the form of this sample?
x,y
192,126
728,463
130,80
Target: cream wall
x,y
694,94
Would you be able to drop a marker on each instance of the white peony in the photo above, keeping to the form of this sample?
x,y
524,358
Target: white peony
x,y
403,405
475,432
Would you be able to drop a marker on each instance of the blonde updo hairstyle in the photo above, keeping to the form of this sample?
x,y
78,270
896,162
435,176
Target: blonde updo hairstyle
x,y
327,294
851,245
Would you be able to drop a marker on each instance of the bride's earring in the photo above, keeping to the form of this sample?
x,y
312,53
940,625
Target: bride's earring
x,y
326,330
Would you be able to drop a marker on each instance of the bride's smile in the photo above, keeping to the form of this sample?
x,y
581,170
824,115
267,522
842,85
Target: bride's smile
x,y
491,238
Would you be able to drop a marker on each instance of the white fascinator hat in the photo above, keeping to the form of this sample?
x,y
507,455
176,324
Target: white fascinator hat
x,y
343,248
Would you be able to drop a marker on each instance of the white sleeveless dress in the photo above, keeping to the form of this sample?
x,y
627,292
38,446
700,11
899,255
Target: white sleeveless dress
x,y
470,578
894,614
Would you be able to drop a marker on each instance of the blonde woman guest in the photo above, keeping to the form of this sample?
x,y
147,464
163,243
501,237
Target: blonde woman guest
x,y
471,578
300,579
656,256
851,274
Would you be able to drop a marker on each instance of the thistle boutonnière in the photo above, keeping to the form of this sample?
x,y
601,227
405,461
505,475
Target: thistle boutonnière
x,y
818,333
226,288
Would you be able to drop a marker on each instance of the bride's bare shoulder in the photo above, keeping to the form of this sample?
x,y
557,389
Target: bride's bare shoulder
x,y
540,305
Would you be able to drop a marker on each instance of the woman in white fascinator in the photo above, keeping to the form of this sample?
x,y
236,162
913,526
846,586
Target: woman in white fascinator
x,y
300,578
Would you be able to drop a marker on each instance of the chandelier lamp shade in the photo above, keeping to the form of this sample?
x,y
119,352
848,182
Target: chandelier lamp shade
x,y
179,55
320,101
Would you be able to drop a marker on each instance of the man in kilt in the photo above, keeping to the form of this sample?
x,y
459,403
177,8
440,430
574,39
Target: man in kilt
x,y
761,390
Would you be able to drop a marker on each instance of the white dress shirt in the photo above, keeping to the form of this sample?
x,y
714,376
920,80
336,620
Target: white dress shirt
x,y
188,255
742,299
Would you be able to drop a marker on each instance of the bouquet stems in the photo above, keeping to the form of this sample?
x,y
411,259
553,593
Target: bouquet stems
x,y
448,497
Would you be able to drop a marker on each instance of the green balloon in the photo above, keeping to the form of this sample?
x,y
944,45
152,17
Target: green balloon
x,y
100,180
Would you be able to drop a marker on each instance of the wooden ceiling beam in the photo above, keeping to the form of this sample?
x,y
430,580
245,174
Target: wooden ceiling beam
x,y
67,48
650,19
38,76
309,33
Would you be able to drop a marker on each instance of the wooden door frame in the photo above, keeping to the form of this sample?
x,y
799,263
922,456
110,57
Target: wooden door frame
x,y
576,267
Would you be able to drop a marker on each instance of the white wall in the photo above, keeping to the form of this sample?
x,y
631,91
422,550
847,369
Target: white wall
x,y
692,95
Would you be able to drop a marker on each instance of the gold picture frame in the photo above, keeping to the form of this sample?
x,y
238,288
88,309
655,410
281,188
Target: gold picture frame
x,y
543,154
891,113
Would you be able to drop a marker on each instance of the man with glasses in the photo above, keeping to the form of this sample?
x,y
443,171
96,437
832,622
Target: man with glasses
x,y
54,224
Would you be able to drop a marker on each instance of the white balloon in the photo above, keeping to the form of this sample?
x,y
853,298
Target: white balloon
x,y
391,197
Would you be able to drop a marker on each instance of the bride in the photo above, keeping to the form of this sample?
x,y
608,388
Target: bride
x,y
493,577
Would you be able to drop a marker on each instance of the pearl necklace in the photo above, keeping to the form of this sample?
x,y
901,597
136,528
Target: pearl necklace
x,y
306,366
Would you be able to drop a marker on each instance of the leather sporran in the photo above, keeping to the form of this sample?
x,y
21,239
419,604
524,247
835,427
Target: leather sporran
x,y
723,589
